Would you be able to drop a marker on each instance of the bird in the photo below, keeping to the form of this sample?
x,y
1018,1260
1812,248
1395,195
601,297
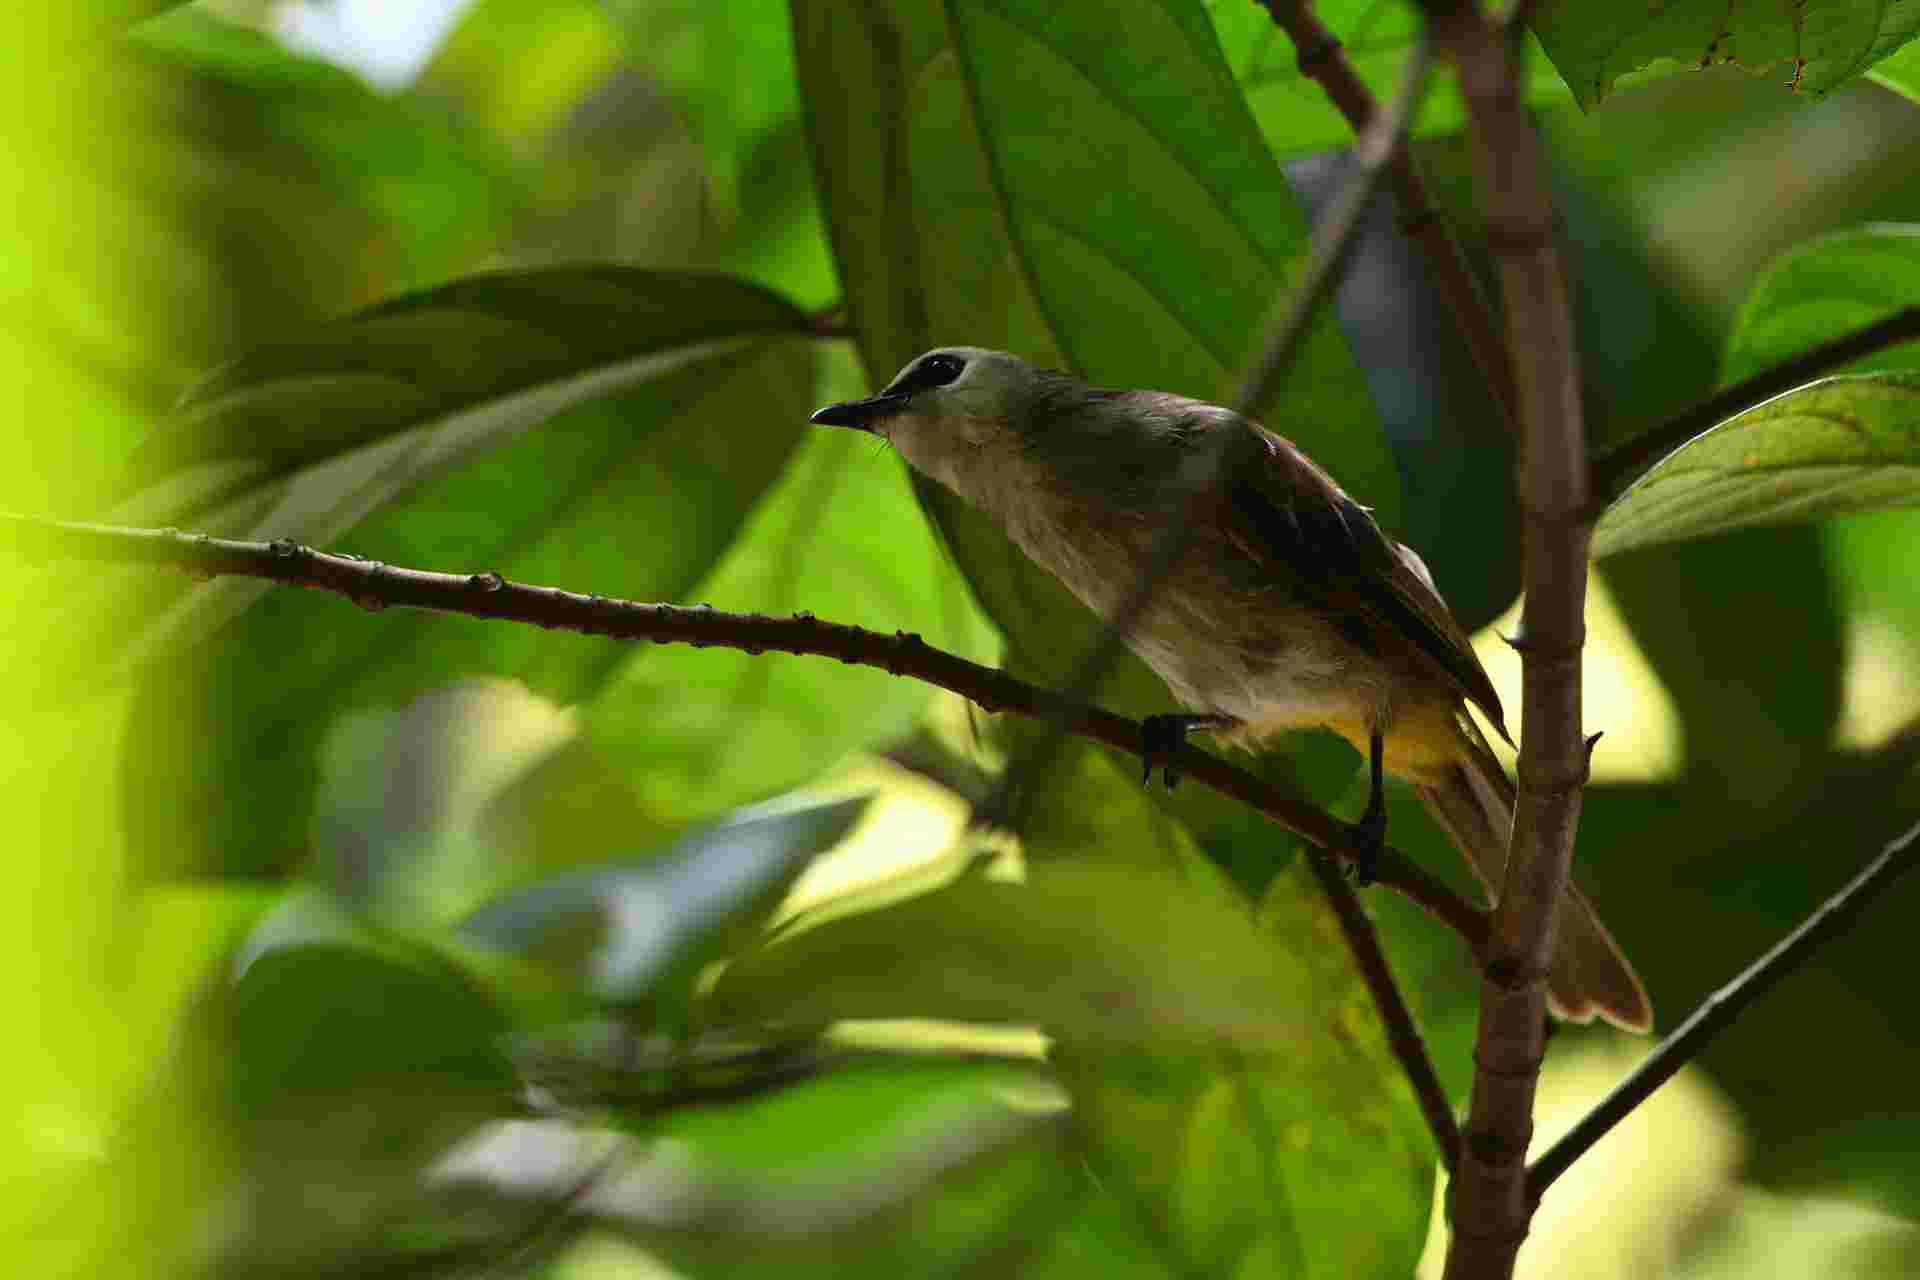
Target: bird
x,y
1288,608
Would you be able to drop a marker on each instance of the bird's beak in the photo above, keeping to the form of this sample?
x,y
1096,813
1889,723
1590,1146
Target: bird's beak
x,y
859,414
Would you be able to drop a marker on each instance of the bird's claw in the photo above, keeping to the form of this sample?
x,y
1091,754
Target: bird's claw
x,y
1369,836
1161,738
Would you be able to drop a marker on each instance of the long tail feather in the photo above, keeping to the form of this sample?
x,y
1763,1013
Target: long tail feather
x,y
1589,977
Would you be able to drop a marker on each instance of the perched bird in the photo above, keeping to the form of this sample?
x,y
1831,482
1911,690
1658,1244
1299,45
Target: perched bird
x,y
1288,608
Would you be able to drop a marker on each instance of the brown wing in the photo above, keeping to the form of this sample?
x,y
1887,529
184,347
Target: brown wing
x,y
1334,547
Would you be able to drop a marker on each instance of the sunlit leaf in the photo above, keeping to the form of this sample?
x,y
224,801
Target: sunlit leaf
x,y
1844,444
1900,72
1825,288
1811,47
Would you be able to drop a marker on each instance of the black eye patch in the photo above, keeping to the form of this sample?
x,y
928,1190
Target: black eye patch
x,y
934,371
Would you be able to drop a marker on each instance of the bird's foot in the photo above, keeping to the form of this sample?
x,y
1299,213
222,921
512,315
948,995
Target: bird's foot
x,y
1162,737
1369,837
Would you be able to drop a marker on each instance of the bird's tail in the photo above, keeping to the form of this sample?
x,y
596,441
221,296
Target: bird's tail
x,y
1589,977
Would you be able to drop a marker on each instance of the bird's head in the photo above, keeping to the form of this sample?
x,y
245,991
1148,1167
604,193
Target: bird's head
x,y
946,407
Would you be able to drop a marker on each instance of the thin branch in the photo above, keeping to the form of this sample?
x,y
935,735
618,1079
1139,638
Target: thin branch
x,y
1379,142
1202,470
374,585
1718,1011
1489,1206
1615,470
1403,1035
1324,61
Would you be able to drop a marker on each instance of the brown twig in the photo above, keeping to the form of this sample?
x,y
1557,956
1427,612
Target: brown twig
x,y
1718,1011
1615,470
1324,61
1403,1035
375,585
1489,1205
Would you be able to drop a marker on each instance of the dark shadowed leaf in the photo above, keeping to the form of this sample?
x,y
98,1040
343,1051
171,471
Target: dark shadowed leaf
x,y
325,1018
637,495
954,148
1844,444
663,911
1810,47
480,357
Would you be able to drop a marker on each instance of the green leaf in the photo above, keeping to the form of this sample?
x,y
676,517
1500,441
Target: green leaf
x,y
1900,72
664,911
330,1019
1247,1153
636,496
1843,444
1230,1081
1812,47
475,360
955,144
1128,958
839,536
1295,113
1829,286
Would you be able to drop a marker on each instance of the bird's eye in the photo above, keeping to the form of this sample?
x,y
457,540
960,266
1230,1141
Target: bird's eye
x,y
938,371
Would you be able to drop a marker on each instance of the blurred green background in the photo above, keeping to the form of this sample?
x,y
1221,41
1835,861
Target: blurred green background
x,y
360,942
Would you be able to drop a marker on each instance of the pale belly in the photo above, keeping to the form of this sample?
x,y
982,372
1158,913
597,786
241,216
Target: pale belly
x,y
1228,644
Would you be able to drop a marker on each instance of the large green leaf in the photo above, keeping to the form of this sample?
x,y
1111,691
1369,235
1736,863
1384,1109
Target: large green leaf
x,y
1843,444
1127,959
1846,444
1824,288
1813,46
1901,72
1229,1080
476,359
408,426
955,144
1294,112
838,535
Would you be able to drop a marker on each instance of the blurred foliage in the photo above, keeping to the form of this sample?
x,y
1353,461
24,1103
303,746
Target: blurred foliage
x,y
398,943
1810,48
